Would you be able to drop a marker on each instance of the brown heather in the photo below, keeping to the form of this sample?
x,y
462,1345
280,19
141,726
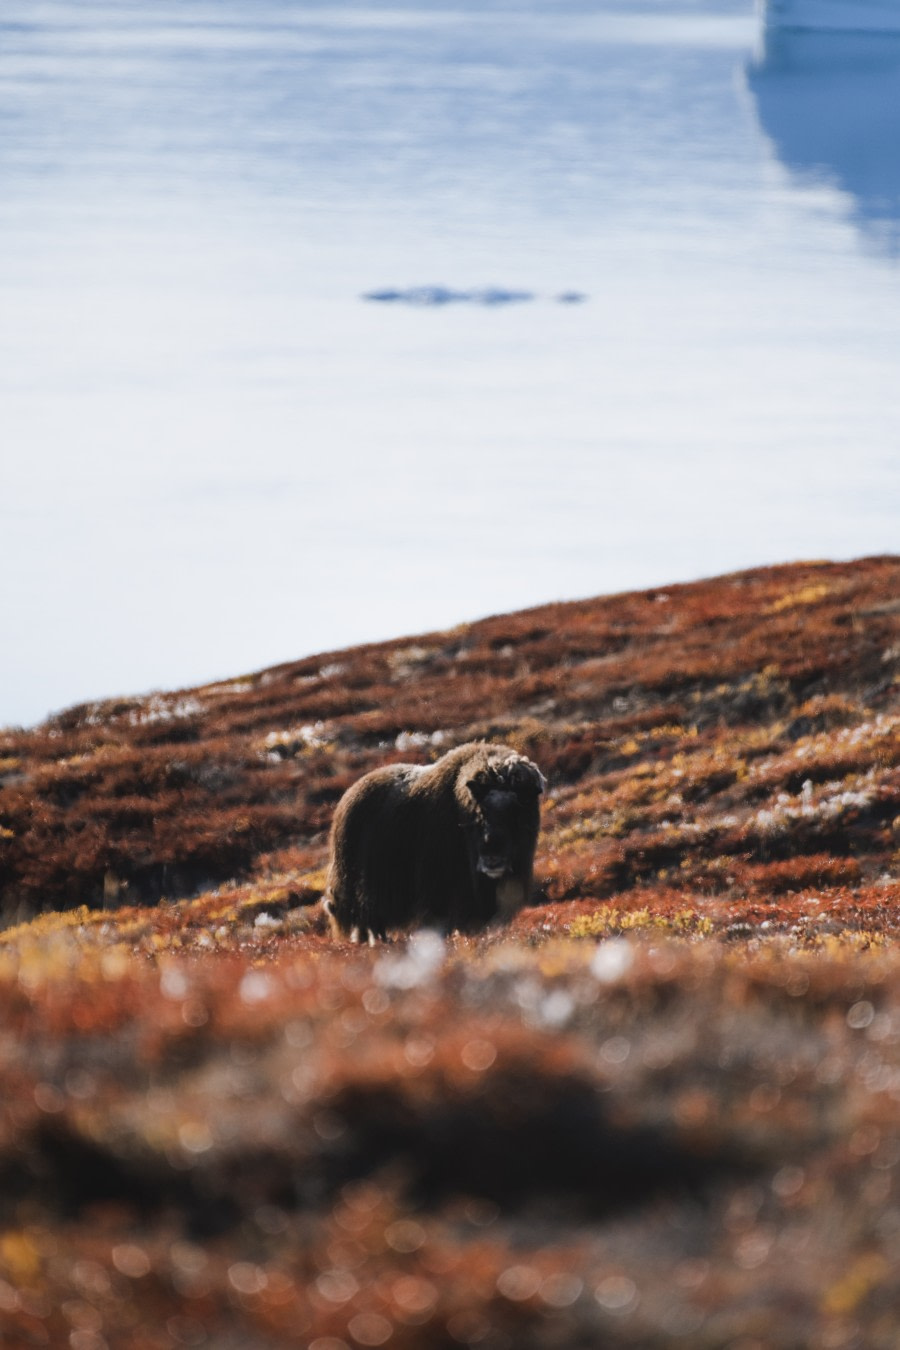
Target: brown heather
x,y
662,1109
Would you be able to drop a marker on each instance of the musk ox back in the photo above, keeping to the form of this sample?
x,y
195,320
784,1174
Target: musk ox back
x,y
451,845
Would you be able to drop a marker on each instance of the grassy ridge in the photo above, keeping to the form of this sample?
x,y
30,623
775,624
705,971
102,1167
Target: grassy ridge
x,y
704,733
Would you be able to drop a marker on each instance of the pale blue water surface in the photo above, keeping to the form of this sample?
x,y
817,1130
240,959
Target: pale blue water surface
x,y
667,343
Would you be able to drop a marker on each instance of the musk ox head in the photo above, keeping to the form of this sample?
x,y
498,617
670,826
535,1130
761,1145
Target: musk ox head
x,y
503,826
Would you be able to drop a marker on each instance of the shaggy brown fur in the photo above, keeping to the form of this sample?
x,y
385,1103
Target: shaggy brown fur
x,y
451,845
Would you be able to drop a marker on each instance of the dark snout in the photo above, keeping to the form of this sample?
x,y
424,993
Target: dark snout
x,y
495,843
493,866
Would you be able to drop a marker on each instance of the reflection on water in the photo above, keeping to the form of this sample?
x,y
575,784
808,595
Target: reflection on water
x,y
830,102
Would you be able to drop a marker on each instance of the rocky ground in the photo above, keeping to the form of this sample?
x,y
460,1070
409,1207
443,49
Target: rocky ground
x,y
662,1109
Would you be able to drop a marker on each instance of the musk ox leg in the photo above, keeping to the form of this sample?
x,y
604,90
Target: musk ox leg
x,y
368,935
510,897
333,921
351,932
343,924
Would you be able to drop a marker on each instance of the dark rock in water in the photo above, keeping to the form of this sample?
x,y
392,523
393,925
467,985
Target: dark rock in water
x,y
444,295
499,297
490,296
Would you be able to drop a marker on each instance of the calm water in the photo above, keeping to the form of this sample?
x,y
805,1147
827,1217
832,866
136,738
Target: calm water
x,y
216,454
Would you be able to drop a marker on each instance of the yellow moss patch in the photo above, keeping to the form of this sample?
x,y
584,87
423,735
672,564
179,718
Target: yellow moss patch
x,y
315,881
608,919
864,1275
807,595
49,924
19,1256
849,939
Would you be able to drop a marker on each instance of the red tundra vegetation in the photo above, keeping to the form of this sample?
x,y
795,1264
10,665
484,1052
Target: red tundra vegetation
x,y
661,1109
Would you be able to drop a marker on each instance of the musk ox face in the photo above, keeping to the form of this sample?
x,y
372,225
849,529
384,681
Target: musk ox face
x,y
505,820
497,834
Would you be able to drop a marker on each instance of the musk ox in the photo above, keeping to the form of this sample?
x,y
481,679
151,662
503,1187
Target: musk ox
x,y
450,845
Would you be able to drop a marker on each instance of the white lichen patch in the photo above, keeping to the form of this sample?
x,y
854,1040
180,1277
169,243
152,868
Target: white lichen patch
x,y
416,740
287,741
408,661
815,806
158,708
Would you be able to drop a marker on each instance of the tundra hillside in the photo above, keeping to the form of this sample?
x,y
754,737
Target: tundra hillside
x,y
661,1109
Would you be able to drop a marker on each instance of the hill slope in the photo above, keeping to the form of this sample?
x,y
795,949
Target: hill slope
x,y
660,1110
678,731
